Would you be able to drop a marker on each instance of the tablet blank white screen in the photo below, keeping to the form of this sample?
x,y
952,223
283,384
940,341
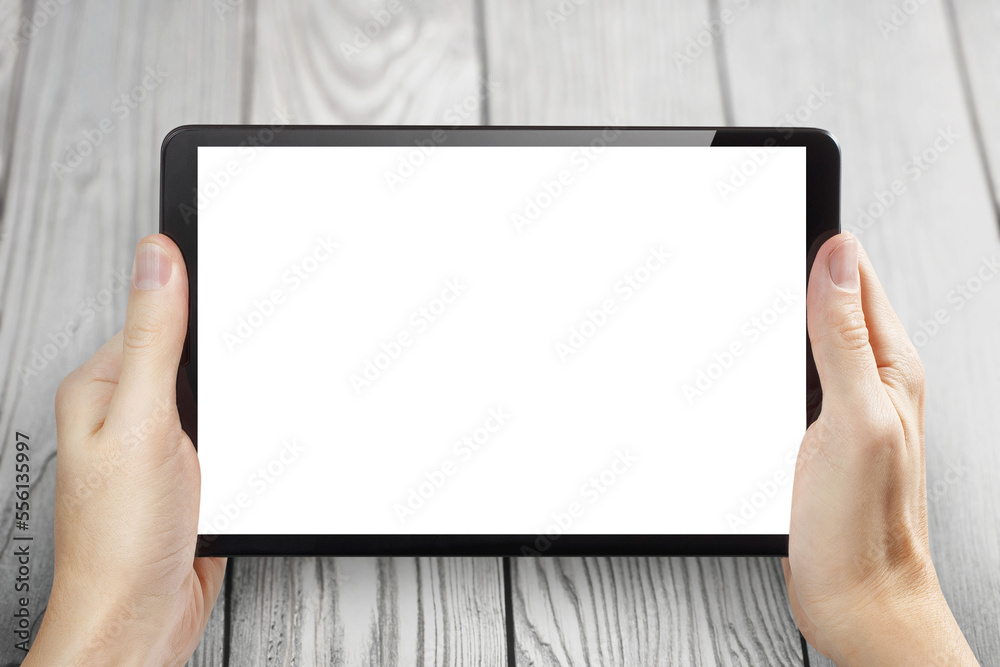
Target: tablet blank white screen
x,y
499,340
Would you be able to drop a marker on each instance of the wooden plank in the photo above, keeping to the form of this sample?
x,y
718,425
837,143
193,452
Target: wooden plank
x,y
313,64
637,62
975,26
366,611
631,63
974,29
16,31
895,89
652,611
71,232
358,62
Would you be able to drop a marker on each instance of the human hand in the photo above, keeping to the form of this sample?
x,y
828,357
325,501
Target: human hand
x,y
127,588
860,579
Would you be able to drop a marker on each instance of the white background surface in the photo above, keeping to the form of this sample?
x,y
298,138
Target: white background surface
x,y
495,346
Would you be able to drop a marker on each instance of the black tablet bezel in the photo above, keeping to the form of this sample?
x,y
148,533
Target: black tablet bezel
x,y
179,221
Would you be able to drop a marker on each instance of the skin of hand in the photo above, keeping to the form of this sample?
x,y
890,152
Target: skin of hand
x,y
860,579
127,587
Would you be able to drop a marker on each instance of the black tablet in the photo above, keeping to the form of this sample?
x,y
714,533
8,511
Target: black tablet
x,y
497,340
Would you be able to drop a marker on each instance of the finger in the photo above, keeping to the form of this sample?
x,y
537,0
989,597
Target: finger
x,y
84,395
210,572
209,575
838,330
155,326
896,358
806,626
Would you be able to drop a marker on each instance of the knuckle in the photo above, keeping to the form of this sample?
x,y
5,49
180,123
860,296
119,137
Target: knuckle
x,y
882,432
865,434
141,331
849,330
902,369
905,372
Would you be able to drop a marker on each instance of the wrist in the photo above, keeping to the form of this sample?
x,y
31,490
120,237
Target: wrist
x,y
911,627
113,633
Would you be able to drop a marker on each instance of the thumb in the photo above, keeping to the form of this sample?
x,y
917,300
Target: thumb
x,y
153,337
844,359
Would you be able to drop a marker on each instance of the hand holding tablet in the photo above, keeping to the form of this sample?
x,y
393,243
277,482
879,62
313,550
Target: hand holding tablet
x,y
127,589
856,596
860,579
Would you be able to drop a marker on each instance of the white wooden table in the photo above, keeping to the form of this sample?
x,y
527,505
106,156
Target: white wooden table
x,y
885,81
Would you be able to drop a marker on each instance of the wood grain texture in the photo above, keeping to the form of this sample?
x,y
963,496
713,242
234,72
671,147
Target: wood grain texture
x,y
600,63
893,91
70,232
357,62
13,55
652,611
366,611
976,31
629,63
